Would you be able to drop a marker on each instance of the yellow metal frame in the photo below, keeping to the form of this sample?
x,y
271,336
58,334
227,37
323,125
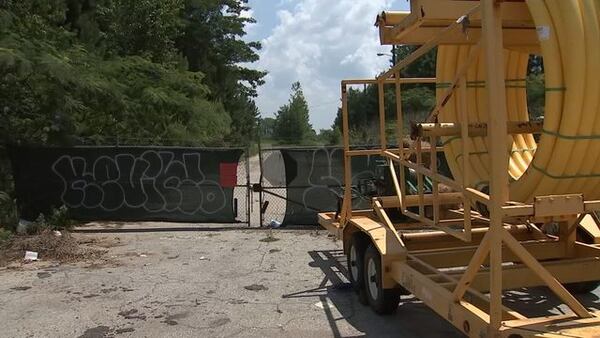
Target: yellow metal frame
x,y
488,254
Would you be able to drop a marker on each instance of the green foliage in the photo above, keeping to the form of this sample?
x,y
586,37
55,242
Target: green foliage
x,y
418,100
292,124
363,110
536,96
330,137
146,28
109,71
422,67
5,236
244,119
536,87
212,44
8,212
57,219
62,97
267,127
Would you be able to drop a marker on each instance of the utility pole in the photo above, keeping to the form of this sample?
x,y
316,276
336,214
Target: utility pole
x,y
393,55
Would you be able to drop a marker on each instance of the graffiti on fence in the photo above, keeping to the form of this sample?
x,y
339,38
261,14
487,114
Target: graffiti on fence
x,y
315,181
129,183
154,181
326,175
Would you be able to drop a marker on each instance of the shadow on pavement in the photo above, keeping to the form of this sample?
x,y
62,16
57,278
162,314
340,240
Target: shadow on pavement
x,y
341,304
413,319
541,302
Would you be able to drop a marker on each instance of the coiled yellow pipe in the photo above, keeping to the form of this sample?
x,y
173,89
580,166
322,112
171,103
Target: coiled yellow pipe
x,y
567,158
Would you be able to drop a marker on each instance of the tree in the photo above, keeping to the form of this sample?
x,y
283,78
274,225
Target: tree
x,y
363,109
417,99
160,72
267,127
145,28
212,44
292,124
172,64
422,67
536,91
56,91
330,136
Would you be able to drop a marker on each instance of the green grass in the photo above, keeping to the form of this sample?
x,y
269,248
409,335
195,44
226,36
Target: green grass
x,y
5,235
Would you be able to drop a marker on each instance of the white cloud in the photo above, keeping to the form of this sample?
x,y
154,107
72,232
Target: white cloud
x,y
319,43
250,26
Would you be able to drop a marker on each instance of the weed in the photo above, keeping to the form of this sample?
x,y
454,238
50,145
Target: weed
x,y
57,219
5,236
9,216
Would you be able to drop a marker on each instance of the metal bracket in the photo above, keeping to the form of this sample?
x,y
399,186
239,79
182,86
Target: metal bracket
x,y
558,205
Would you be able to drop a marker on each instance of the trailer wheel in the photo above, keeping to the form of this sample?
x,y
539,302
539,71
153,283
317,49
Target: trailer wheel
x,y
355,261
382,301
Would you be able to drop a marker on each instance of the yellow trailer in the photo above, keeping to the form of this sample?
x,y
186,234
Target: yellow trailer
x,y
511,214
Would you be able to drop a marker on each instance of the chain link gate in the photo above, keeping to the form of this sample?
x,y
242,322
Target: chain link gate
x,y
297,183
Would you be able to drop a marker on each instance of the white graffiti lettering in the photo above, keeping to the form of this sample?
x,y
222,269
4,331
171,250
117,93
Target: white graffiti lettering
x,y
155,181
326,176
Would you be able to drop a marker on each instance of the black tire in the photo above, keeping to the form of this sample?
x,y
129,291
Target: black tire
x,y
382,301
362,297
582,287
354,261
355,266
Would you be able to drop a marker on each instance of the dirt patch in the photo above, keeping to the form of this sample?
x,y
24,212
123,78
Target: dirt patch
x,y
170,322
132,314
96,332
63,249
171,319
269,239
104,242
219,322
124,330
256,287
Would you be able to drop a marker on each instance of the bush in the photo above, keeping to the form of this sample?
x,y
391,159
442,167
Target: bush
x,y
8,212
57,219
5,236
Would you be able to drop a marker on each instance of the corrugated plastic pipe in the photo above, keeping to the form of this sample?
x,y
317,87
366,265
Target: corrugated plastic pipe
x,y
567,157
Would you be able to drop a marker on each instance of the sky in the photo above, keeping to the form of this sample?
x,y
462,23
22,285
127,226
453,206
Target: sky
x,y
319,43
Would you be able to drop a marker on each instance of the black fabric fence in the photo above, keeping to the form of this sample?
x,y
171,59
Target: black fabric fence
x,y
128,183
314,181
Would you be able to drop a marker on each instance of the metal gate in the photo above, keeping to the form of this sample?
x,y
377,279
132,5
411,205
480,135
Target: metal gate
x,y
298,183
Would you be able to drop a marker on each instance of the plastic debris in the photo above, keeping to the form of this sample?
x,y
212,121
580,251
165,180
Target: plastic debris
x,y
23,226
57,233
31,256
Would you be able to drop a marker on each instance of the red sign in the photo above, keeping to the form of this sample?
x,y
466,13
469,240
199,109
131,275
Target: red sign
x,y
228,174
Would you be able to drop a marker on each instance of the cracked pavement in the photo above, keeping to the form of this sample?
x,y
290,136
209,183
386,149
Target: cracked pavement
x,y
204,284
